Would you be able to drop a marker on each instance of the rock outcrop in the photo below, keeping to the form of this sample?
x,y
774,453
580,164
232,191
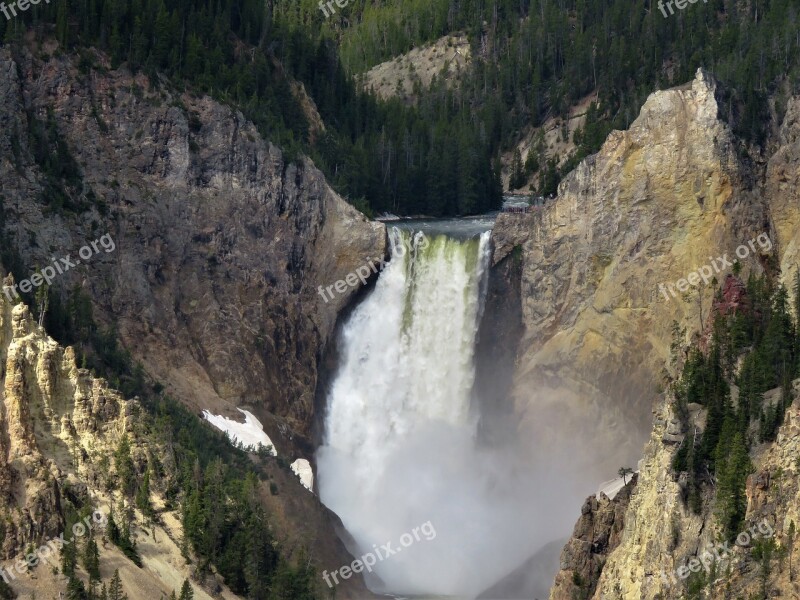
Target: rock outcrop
x,y
782,189
60,431
58,428
597,533
405,76
662,536
56,421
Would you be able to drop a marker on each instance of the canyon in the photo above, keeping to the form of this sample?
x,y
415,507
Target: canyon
x,y
222,243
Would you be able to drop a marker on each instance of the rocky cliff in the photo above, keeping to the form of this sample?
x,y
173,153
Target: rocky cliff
x,y
218,246
58,426
49,406
60,434
597,534
221,243
664,544
608,267
660,200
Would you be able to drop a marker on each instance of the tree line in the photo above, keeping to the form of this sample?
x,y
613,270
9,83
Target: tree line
x,y
383,156
762,333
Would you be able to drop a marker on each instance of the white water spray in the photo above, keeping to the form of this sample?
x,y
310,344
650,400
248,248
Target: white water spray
x,y
400,446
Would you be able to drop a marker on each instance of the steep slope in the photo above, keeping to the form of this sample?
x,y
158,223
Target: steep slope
x,y
61,434
661,537
214,247
782,188
597,534
57,423
220,244
667,550
658,201
410,74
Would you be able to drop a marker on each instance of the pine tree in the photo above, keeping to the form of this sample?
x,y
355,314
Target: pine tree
x,y
115,591
113,529
797,321
790,544
796,291
517,178
468,170
124,466
143,495
76,590
777,348
731,476
6,591
69,558
624,472
187,593
91,559
62,27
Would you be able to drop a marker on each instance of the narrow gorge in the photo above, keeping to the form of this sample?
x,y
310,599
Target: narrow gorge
x,y
463,405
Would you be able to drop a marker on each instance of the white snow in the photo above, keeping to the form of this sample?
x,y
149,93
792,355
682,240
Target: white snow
x,y
302,468
250,433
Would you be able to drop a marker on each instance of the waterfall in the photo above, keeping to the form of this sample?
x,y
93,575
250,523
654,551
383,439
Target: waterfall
x,y
400,446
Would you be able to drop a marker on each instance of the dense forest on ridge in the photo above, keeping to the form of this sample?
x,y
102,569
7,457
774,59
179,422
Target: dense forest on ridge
x,y
535,59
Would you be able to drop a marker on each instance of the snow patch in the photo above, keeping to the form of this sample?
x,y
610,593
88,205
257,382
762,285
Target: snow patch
x,y
250,433
302,468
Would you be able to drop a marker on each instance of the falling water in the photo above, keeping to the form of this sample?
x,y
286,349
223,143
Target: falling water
x,y
400,443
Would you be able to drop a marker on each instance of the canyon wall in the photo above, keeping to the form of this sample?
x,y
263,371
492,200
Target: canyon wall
x,y
60,431
219,245
674,193
658,201
220,241
663,540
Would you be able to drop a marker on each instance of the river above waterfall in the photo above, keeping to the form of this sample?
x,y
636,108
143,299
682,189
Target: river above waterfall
x,y
460,228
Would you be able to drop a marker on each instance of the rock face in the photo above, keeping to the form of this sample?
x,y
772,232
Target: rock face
x,y
497,346
56,422
60,428
597,534
670,532
662,536
220,243
444,59
782,188
658,201
211,282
